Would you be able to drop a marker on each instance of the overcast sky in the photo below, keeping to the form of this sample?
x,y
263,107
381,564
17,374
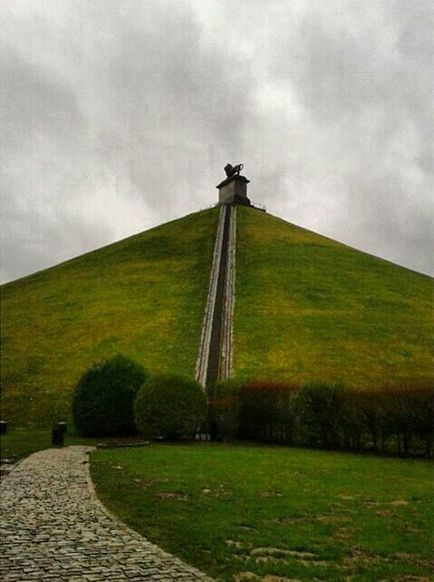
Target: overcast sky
x,y
118,115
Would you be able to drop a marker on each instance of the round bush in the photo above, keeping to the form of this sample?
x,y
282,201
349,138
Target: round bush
x,y
170,406
104,397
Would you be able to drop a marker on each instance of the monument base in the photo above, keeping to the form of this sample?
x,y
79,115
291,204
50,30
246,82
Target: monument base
x,y
233,190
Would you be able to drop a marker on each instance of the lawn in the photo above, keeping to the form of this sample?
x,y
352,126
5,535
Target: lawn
x,y
309,308
21,442
294,513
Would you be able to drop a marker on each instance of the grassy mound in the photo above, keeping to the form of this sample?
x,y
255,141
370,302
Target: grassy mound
x,y
143,297
310,308
307,308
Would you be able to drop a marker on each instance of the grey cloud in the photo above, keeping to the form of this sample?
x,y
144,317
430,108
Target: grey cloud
x,y
361,172
120,116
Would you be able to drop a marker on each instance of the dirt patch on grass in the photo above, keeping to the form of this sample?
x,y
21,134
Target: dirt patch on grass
x,y
170,495
320,518
251,577
385,513
313,563
234,544
268,560
414,559
359,557
371,504
279,553
270,555
377,504
331,518
343,534
142,483
291,520
270,494
217,492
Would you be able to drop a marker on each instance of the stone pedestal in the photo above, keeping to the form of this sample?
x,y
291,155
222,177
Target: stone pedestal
x,y
233,190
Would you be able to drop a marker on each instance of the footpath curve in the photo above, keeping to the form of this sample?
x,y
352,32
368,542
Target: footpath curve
x,y
54,528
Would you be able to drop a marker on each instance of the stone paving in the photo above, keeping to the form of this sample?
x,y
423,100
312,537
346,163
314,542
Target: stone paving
x,y
53,528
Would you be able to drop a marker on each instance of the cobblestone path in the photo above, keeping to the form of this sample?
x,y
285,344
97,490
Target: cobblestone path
x,y
54,528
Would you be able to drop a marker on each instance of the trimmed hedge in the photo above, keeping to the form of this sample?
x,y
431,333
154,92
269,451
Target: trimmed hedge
x,y
320,412
258,410
170,406
390,419
103,399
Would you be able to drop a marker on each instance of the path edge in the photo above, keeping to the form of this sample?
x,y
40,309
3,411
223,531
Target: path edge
x,y
123,526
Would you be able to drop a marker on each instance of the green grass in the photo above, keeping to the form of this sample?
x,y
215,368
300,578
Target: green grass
x,y
275,511
143,297
310,308
20,442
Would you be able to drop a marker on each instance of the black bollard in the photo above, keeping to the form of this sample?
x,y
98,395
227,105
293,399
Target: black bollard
x,y
62,426
57,437
3,427
214,430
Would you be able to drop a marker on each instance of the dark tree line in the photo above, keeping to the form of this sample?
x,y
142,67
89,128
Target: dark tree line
x,y
389,419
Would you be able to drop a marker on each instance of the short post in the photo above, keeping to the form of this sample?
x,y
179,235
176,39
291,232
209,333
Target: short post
x,y
57,437
3,427
62,426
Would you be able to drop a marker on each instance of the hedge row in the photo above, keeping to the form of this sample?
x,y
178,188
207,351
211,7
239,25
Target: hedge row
x,y
118,397
395,419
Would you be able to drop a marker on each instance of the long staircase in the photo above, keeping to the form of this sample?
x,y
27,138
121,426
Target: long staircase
x,y
214,360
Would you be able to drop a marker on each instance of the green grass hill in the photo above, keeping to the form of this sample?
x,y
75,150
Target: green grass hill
x,y
306,308
143,297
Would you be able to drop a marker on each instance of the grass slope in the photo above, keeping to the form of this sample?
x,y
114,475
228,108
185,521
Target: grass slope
x,y
143,296
308,307
294,513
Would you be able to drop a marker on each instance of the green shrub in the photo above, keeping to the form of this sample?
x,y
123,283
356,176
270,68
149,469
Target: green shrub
x,y
170,406
321,414
266,411
259,410
226,408
104,397
406,417
391,418
423,420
